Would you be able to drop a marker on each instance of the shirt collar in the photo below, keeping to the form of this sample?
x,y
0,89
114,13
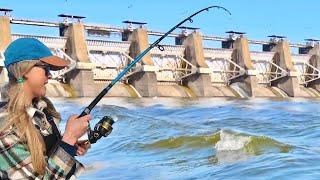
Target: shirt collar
x,y
39,119
31,111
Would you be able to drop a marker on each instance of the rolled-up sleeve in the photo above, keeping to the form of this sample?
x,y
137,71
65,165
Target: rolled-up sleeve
x,y
60,163
15,161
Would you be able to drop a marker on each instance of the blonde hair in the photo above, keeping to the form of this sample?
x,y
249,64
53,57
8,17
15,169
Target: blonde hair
x,y
19,119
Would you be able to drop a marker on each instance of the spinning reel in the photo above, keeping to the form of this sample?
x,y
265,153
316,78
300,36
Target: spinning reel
x,y
102,128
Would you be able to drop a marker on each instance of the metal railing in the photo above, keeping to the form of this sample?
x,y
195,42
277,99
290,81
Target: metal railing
x,y
172,68
223,69
50,41
59,75
109,57
310,74
108,46
271,71
170,65
307,72
114,29
108,70
267,71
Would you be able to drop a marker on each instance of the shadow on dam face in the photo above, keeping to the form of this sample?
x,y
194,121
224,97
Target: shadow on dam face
x,y
57,89
236,90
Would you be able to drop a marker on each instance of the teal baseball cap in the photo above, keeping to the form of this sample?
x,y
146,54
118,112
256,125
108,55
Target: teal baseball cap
x,y
26,49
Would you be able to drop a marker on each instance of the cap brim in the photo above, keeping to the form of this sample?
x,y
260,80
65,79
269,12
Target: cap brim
x,y
55,62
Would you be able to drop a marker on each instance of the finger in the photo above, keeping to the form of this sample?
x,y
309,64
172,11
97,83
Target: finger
x,y
74,116
86,118
84,121
81,151
79,145
85,124
84,144
79,142
81,148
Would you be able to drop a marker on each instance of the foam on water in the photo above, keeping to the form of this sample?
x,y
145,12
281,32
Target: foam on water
x,y
231,141
234,146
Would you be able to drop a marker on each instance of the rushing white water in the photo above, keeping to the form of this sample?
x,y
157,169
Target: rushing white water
x,y
231,142
237,87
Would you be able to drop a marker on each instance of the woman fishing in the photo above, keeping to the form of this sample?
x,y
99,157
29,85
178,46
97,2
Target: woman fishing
x,y
31,146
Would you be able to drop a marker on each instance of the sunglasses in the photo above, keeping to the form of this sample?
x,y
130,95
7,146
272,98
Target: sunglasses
x,y
45,67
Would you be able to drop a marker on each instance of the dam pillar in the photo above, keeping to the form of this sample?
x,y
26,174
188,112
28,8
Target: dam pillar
x,y
282,58
314,51
5,40
199,82
144,79
81,78
249,81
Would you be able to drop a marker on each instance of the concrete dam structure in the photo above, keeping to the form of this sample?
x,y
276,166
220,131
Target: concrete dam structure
x,y
184,69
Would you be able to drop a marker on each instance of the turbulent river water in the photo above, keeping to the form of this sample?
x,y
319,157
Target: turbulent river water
x,y
209,138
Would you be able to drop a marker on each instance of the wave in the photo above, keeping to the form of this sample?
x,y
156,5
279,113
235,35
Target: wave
x,y
224,141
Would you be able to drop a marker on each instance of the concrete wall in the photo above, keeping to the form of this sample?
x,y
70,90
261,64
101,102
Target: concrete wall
x,y
5,32
80,79
249,81
315,61
145,82
5,40
200,82
282,57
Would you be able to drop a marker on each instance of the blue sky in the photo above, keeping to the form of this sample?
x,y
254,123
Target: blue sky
x,y
295,19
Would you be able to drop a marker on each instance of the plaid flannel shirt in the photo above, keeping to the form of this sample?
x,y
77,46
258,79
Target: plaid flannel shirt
x,y
15,158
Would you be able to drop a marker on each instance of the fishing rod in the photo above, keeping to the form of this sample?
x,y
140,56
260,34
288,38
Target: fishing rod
x,y
104,126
